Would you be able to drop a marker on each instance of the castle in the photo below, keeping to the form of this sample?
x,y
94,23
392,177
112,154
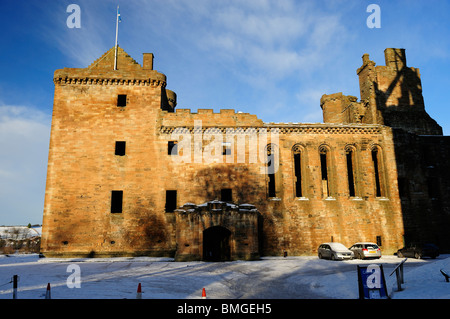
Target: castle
x,y
131,175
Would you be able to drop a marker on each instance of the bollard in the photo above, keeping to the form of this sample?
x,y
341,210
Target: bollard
x,y
48,293
139,292
15,287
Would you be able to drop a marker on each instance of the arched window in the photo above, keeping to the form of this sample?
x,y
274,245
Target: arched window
x,y
378,171
272,168
297,151
351,171
324,169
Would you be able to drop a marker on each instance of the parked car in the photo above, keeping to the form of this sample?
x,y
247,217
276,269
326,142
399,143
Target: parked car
x,y
334,251
418,251
366,250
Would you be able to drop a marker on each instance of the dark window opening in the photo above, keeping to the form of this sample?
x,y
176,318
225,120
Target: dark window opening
x,y
172,148
272,192
171,201
350,175
324,170
271,173
120,148
376,172
116,201
379,241
298,175
122,100
226,195
226,148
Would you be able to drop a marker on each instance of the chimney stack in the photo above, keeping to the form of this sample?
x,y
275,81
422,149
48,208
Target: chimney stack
x,y
148,61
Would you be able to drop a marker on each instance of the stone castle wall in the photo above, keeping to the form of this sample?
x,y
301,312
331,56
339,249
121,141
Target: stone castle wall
x,y
335,181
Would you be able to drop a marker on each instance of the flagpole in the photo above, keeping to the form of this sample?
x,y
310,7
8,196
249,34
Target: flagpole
x,y
117,32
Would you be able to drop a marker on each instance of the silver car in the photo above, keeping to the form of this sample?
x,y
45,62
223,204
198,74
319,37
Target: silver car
x,y
334,251
366,250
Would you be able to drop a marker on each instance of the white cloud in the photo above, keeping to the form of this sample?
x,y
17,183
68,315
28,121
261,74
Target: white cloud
x,y
25,134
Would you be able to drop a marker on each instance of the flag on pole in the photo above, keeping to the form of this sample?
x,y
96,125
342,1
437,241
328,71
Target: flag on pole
x,y
118,19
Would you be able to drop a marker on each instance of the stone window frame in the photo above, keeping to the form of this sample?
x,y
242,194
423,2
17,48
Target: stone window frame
x,y
379,172
355,170
299,149
325,149
270,149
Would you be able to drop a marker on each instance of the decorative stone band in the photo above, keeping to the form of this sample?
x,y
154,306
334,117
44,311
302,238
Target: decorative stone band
x,y
283,129
109,81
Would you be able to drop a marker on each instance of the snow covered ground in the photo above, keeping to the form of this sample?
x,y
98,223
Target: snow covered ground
x,y
161,278
19,232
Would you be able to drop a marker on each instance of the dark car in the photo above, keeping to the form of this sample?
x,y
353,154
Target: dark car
x,y
418,251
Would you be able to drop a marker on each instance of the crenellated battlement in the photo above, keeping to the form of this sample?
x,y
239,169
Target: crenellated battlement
x,y
225,117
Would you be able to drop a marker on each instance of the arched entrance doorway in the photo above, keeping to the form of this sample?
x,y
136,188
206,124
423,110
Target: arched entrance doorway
x,y
216,244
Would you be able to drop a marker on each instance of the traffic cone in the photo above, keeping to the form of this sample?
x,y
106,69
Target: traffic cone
x,y
48,293
203,293
139,292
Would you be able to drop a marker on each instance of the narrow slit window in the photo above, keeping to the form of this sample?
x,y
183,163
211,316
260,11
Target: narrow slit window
x,y
376,167
379,243
116,201
122,100
350,173
172,148
226,195
271,171
120,148
171,201
324,171
298,174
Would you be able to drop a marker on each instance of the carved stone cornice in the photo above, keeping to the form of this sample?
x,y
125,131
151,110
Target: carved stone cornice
x,y
109,81
282,129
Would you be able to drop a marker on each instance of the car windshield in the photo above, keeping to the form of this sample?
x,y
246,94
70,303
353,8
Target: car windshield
x,y
371,246
338,247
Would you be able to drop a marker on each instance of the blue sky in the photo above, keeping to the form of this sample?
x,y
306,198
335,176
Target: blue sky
x,y
272,58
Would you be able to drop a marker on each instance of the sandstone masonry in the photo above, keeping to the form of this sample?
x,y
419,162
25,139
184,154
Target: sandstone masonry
x,y
375,170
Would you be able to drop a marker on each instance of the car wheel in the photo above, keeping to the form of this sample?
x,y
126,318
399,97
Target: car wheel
x,y
417,255
399,254
320,256
333,257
